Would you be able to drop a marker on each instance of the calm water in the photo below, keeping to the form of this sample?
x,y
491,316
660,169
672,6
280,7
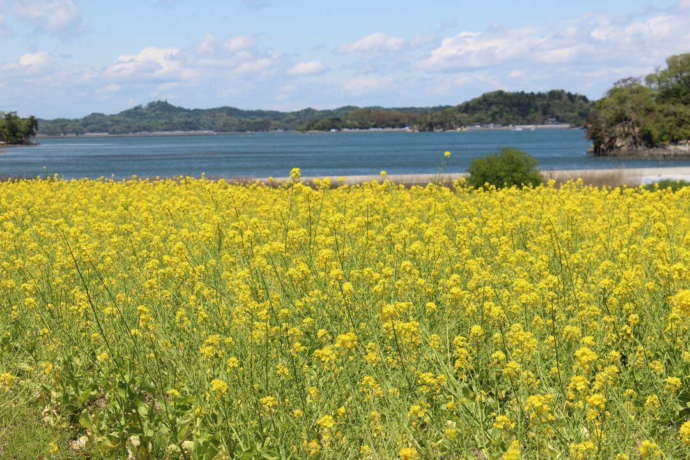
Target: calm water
x,y
274,154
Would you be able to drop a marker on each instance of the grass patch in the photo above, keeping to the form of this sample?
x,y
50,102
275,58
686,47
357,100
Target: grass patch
x,y
26,431
668,184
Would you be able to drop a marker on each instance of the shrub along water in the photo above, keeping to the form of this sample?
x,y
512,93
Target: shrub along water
x,y
672,184
512,167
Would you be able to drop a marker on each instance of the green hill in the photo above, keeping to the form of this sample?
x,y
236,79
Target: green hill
x,y
498,107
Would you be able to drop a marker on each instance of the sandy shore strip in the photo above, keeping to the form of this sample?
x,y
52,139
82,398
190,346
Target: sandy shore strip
x,y
611,177
621,176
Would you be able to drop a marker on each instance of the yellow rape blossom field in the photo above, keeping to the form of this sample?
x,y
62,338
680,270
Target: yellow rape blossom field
x,y
192,318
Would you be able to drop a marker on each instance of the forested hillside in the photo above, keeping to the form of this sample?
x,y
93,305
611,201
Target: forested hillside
x,y
163,116
527,108
498,107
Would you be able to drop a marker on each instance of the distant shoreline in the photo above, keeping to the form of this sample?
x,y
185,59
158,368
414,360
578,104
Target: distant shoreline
x,y
371,130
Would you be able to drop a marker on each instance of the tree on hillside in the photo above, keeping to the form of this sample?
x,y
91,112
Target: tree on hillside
x,y
673,82
510,108
620,120
634,115
445,120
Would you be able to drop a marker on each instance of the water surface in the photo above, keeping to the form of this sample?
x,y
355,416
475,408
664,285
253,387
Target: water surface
x,y
274,154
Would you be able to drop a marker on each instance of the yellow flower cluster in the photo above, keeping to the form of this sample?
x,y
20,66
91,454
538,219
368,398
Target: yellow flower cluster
x,y
209,320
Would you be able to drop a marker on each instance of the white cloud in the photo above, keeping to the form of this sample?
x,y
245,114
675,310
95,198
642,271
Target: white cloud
x,y
254,67
654,28
240,43
589,40
150,62
365,84
240,55
28,64
48,15
208,45
559,55
212,61
307,68
375,43
469,50
34,62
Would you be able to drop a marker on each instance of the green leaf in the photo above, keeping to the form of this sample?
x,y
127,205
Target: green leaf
x,y
85,422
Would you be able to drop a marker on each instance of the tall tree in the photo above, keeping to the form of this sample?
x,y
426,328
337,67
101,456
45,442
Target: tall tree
x,y
673,82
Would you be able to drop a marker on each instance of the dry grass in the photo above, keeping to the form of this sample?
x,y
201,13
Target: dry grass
x,y
595,178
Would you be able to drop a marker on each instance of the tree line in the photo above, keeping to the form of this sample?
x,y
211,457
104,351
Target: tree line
x,y
16,130
161,116
511,108
499,107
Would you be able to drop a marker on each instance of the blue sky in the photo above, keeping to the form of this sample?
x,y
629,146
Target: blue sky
x,y
71,57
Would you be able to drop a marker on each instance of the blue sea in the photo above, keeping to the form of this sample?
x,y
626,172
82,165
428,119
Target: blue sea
x,y
274,154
